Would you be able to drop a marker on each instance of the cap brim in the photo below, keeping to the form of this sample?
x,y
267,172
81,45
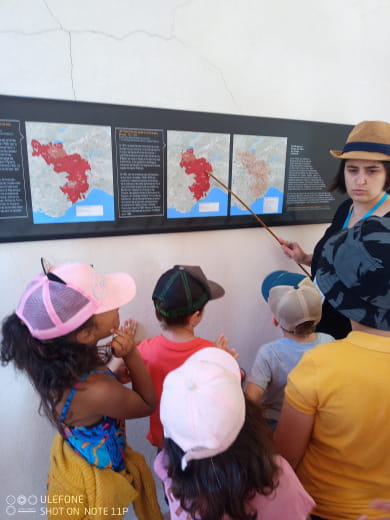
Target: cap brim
x,y
120,289
216,290
369,156
278,278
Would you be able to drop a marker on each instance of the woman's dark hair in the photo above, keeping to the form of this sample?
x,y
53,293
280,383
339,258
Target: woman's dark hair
x,y
224,484
52,366
338,182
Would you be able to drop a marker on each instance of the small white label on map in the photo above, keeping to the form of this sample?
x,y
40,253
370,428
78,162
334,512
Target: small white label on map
x,y
270,205
90,211
205,207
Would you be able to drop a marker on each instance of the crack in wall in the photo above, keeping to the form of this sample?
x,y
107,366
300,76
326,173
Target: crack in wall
x,y
223,79
130,34
212,65
70,45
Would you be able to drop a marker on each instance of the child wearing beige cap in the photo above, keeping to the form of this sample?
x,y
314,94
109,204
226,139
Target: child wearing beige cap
x,y
296,304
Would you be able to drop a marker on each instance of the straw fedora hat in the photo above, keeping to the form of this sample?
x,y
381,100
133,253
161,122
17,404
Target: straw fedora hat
x,y
368,140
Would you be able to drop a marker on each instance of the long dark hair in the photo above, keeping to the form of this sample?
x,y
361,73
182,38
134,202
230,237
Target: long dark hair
x,y
338,182
52,366
210,488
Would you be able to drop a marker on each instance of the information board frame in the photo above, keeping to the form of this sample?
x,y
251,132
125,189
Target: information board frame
x,y
146,163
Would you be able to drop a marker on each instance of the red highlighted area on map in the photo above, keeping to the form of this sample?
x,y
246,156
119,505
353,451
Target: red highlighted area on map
x,y
199,167
258,168
73,165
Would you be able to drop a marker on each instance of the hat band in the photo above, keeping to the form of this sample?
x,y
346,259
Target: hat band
x,y
364,146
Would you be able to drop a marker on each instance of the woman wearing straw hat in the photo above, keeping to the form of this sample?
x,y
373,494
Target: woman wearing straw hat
x,y
364,174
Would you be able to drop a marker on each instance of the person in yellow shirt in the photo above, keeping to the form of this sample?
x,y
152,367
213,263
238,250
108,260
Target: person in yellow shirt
x,y
334,427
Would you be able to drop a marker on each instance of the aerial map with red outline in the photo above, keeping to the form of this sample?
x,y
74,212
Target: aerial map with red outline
x,y
258,173
191,156
74,166
71,172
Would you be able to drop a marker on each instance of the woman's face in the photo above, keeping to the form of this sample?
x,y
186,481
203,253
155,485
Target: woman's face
x,y
364,180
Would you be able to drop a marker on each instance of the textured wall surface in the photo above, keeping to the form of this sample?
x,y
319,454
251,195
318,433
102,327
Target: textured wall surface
x,y
320,61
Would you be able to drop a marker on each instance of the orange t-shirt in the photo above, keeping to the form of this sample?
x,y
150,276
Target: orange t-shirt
x,y
161,356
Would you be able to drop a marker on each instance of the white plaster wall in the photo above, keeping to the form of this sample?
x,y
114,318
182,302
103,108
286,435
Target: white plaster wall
x,y
321,61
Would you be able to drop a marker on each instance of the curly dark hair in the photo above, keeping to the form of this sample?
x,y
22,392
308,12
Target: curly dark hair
x,y
52,366
338,182
223,484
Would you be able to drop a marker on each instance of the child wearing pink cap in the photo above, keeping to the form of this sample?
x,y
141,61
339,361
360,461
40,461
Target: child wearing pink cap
x,y
217,462
53,337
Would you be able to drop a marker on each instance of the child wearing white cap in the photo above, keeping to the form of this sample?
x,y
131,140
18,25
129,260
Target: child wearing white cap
x,y
296,306
217,462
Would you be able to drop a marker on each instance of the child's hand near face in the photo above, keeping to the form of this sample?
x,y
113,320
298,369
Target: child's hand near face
x,y
123,343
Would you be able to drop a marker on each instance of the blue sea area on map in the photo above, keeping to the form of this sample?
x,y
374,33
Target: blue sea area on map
x,y
215,195
95,198
258,205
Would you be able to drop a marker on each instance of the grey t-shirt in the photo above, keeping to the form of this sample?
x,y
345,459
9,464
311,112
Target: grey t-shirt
x,y
272,365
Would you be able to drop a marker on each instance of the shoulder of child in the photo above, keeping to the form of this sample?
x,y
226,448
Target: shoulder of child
x,y
325,338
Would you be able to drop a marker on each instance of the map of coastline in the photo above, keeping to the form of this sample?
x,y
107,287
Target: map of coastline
x,y
70,172
258,172
73,165
191,192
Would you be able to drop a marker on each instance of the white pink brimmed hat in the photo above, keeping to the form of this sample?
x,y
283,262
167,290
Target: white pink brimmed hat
x,y
60,300
202,405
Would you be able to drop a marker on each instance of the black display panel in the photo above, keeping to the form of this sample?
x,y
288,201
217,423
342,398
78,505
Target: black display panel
x,y
74,169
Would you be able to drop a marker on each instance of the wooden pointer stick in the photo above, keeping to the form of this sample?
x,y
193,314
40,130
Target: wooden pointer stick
x,y
254,214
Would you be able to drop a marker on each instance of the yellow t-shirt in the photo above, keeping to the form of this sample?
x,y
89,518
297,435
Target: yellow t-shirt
x,y
346,385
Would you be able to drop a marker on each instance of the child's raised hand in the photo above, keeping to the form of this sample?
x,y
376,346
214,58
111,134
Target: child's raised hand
x,y
221,342
123,342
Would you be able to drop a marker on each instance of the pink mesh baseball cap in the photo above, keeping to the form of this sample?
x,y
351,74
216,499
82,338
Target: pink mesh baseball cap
x,y
67,295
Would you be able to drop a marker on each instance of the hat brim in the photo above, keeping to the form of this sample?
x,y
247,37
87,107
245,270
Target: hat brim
x,y
216,291
276,278
120,289
357,154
